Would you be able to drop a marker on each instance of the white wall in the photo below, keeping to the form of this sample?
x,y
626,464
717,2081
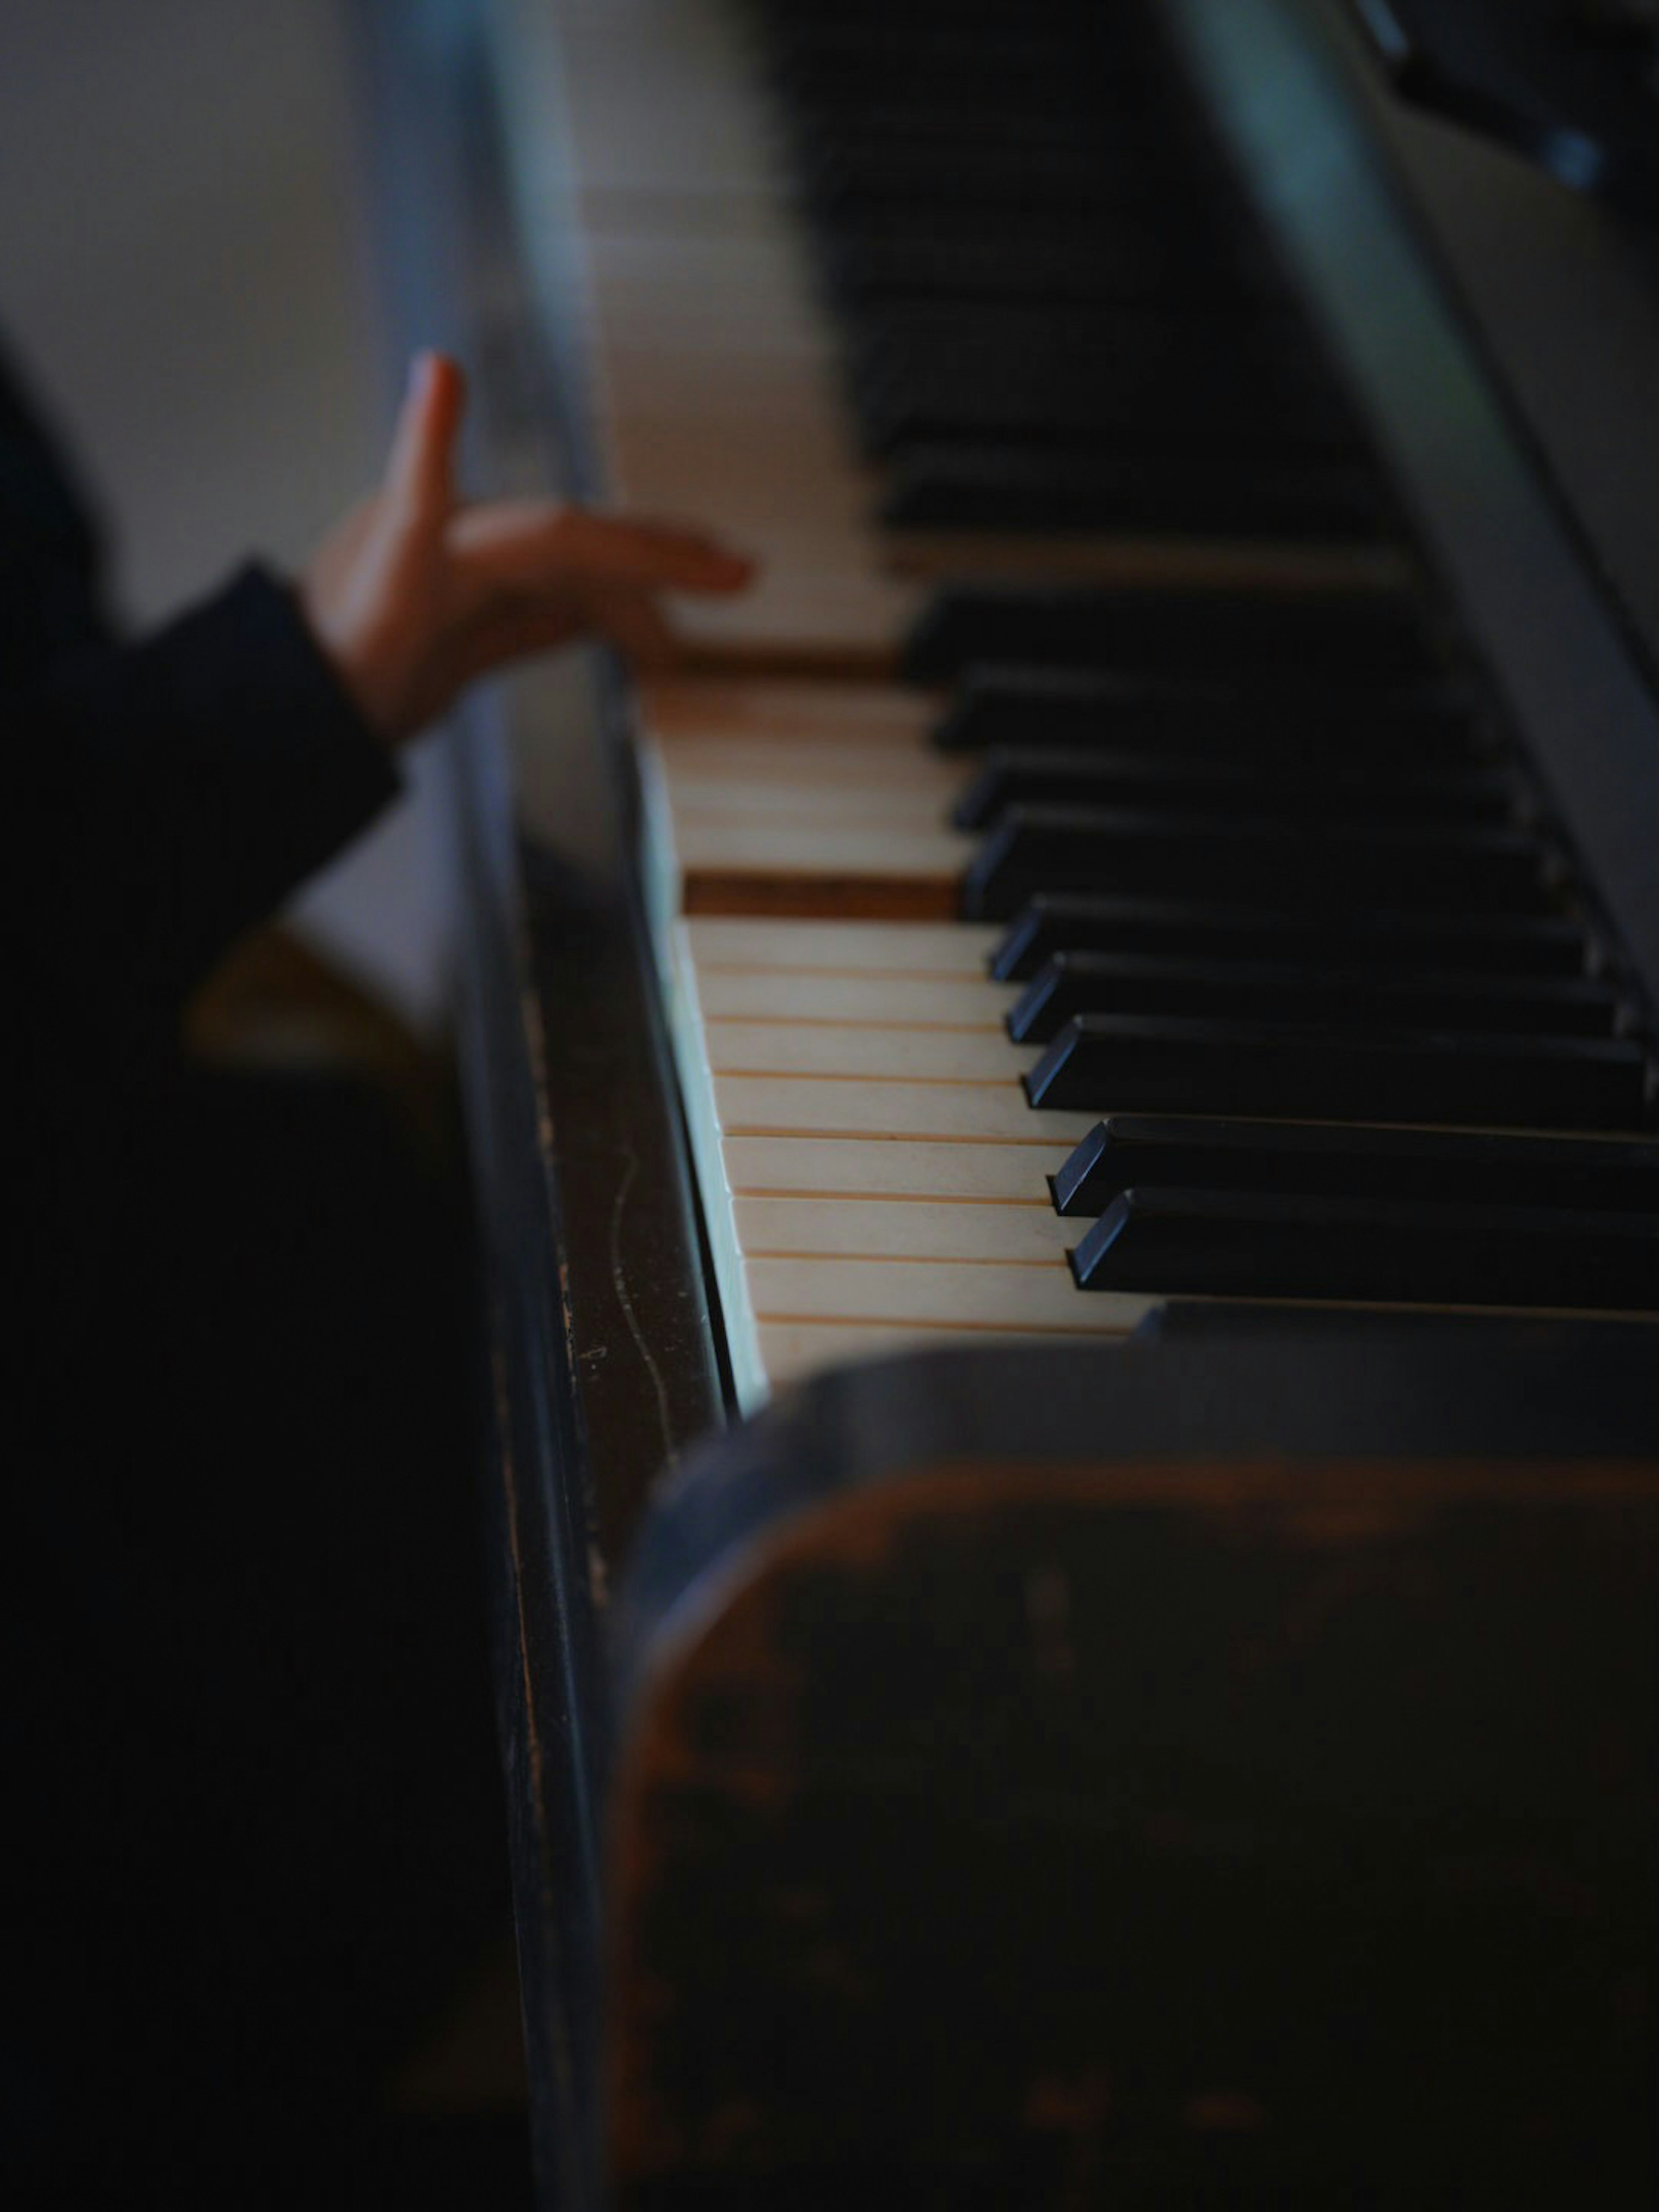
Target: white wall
x,y
182,267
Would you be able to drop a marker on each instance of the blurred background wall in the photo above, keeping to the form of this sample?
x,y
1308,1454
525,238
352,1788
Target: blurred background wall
x,y
183,274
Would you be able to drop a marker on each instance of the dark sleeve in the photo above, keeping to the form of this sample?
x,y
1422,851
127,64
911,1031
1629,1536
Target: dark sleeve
x,y
52,596
165,795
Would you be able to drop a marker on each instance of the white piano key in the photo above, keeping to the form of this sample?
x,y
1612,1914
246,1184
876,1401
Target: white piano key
x,y
788,804
666,98
898,1228
916,1001
831,1053
939,1294
789,1351
808,849
763,1105
865,717
806,1167
808,765
849,948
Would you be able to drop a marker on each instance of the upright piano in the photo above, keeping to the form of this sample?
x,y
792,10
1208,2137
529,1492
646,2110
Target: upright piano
x,y
1064,1116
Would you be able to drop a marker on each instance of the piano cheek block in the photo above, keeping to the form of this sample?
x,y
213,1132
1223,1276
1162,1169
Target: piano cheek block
x,y
1020,1784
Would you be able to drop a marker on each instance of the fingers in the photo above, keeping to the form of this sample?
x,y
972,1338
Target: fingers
x,y
530,544
420,474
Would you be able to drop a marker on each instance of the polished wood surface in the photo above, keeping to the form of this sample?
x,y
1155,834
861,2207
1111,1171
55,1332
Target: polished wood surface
x,y
1053,1808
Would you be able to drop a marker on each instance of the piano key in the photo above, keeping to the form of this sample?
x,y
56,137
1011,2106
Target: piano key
x,y
943,1112
921,225
1033,850
1111,104
1256,568
1180,490
1061,392
1427,723
836,1052
1498,944
1086,983
954,63
834,767
1359,635
1476,1168
829,868
888,801
1072,347
881,267
1314,790
1075,425
789,1351
847,720
870,172
882,1229
1152,1064
939,132
1214,1243
779,806
989,1175
1038,1300
911,1002
860,948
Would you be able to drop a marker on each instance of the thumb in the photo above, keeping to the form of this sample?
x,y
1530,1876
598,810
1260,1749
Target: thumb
x,y
420,474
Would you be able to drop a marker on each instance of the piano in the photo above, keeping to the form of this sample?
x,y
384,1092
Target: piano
x,y
1064,1116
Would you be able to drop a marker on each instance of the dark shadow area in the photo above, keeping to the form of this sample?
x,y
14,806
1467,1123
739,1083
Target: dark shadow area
x,y
259,1801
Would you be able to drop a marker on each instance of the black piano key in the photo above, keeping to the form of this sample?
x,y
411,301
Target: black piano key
x,y
1039,411
1316,790
939,61
1358,637
1072,348
864,174
1229,1244
1427,723
1183,489
1525,945
941,131
1351,1160
1332,866
1102,983
1107,1063
1052,377
906,231
921,99
835,69
1117,265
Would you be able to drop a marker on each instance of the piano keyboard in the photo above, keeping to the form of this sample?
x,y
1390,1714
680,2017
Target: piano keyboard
x,y
876,1149
719,373
1193,852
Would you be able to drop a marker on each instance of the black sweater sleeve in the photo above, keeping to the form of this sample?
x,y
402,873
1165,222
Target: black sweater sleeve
x,y
165,795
